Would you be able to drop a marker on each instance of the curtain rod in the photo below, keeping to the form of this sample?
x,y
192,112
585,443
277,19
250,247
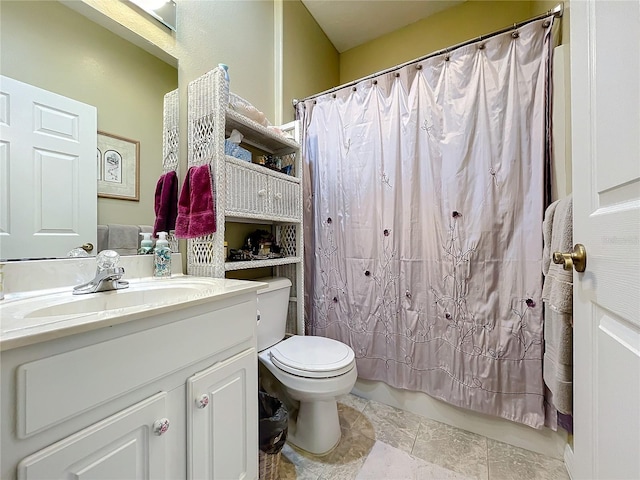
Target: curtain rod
x,y
556,11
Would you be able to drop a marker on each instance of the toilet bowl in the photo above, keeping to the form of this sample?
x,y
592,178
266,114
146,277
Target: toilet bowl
x,y
312,370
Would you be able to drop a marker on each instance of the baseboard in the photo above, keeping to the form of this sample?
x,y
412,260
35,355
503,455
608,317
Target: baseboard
x,y
568,459
544,441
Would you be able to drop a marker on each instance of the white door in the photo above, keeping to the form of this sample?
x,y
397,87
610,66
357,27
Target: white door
x,y
48,172
222,420
129,445
605,92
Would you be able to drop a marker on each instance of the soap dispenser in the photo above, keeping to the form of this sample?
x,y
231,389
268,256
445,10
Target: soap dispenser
x,y
162,257
146,244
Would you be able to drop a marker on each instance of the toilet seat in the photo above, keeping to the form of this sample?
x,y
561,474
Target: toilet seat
x,y
313,357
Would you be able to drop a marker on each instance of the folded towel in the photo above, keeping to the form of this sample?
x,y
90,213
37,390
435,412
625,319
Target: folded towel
x,y
196,209
166,203
557,289
557,295
103,238
123,239
558,359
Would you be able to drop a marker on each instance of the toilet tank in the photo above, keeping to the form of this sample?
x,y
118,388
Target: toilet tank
x,y
273,304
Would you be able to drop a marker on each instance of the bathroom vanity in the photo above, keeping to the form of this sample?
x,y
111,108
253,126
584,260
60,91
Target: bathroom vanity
x,y
165,389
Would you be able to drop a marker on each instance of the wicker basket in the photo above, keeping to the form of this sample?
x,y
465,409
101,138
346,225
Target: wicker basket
x,y
268,466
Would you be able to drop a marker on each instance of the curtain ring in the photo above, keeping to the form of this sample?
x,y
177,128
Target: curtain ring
x,y
375,82
397,74
546,24
354,89
481,46
515,35
315,102
418,67
447,58
333,96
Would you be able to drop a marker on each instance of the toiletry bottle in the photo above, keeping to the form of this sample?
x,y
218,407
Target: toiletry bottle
x,y
225,69
162,257
146,244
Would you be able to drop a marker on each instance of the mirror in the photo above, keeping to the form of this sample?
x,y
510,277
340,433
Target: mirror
x,y
162,10
50,46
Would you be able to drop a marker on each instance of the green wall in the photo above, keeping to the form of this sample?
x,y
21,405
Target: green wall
x,y
462,22
311,64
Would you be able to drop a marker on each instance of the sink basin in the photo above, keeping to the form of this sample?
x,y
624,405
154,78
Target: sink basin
x,y
138,296
54,313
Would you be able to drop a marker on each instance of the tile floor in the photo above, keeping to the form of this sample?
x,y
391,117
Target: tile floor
x,y
380,442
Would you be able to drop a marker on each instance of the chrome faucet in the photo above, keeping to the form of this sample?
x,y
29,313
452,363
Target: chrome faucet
x,y
108,275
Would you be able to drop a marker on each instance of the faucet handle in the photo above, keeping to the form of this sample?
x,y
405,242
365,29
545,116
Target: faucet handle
x,y
107,259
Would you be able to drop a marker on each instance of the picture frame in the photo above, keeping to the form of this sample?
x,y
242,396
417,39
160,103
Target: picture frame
x,y
118,161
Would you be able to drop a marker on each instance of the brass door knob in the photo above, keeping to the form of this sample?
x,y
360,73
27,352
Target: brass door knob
x,y
576,259
87,247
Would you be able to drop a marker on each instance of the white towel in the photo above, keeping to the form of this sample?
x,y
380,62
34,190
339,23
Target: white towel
x,y
103,238
557,295
123,239
557,230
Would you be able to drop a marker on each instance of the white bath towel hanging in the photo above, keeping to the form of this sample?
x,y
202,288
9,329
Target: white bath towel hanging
x,y
557,295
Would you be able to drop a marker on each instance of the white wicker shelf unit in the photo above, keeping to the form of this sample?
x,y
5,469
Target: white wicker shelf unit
x,y
246,192
171,144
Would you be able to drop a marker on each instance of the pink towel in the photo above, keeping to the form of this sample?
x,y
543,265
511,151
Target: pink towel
x,y
196,210
166,203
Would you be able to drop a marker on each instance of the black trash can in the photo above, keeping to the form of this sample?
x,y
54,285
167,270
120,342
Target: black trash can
x,y
272,434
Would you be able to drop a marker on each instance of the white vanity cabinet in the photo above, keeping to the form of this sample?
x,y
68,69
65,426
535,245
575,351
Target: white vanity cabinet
x,y
221,428
130,444
168,396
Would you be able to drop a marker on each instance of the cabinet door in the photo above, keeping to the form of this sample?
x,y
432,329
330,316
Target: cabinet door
x,y
285,199
246,191
126,445
222,420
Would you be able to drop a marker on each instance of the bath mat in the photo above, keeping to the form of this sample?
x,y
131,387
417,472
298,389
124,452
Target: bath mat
x,y
389,463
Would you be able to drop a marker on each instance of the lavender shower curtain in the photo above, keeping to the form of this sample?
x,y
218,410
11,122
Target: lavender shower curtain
x,y
424,206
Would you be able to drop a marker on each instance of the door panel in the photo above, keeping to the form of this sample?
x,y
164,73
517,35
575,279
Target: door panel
x,y
47,172
222,438
605,90
122,446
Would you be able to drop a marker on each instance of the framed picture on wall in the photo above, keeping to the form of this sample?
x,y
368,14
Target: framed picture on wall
x,y
118,167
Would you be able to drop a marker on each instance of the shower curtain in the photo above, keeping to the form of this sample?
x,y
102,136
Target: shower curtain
x,y
423,210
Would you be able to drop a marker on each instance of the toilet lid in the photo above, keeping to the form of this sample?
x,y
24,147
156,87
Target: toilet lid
x,y
313,357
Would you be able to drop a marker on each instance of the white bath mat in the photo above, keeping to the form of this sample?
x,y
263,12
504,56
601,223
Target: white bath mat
x,y
389,463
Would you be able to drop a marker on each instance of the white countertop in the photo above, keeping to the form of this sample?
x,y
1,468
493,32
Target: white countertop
x,y
36,316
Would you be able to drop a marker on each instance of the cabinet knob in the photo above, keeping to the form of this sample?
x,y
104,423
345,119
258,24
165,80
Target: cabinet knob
x,y
278,195
202,401
262,192
161,426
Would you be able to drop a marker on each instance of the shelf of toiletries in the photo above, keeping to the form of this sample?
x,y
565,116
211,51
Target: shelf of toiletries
x,y
258,136
271,262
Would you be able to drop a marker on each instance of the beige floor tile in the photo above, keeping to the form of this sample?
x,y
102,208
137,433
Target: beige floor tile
x,y
390,425
348,415
346,460
353,401
507,462
296,464
389,463
452,448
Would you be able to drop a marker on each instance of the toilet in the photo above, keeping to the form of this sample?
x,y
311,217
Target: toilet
x,y
312,371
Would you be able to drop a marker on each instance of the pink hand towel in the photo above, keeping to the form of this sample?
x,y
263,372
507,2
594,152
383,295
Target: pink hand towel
x,y
166,203
196,209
